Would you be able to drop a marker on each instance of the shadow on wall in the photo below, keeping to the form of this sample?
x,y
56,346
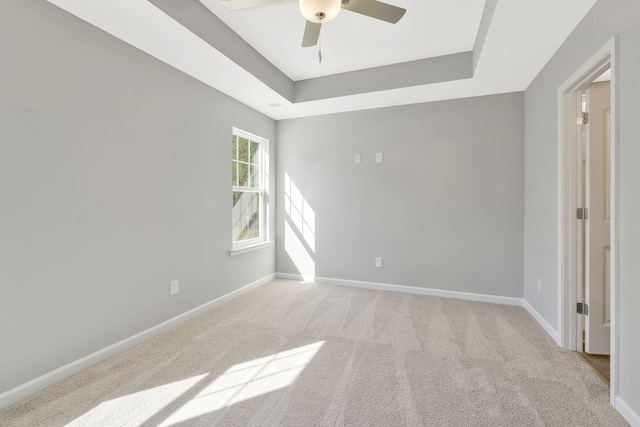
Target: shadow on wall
x,y
299,230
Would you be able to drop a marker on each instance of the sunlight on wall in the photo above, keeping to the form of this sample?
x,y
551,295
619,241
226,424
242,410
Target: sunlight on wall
x,y
299,254
300,212
302,216
247,380
136,408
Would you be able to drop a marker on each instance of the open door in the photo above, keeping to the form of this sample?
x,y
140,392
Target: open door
x,y
588,248
597,254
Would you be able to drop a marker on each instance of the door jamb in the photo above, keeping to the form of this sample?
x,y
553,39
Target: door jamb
x,y
567,225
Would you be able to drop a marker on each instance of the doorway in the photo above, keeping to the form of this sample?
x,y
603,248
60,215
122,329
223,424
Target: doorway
x,y
587,223
593,123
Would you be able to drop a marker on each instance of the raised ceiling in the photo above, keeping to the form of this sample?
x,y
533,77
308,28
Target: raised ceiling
x,y
439,50
352,41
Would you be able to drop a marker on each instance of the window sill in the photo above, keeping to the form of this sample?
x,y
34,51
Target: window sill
x,y
250,248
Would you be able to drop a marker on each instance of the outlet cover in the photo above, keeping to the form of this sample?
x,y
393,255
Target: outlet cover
x,y
378,262
174,287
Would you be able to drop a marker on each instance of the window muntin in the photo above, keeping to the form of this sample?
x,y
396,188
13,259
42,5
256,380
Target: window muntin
x,y
247,178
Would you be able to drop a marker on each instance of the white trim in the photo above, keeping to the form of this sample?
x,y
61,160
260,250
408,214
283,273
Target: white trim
x,y
408,289
262,191
553,333
615,232
289,276
567,286
629,414
248,135
36,384
251,248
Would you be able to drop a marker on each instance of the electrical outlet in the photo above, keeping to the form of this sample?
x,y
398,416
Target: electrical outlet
x,y
539,285
356,158
378,262
378,157
174,287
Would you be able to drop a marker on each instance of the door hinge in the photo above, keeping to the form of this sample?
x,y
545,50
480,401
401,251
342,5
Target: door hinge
x,y
583,308
582,119
582,213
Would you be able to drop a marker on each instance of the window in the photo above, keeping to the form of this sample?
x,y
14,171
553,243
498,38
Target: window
x,y
248,176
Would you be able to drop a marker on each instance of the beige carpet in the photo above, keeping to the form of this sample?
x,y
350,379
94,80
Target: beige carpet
x,y
292,354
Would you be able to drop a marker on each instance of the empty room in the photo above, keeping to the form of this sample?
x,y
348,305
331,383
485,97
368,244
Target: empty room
x,y
319,213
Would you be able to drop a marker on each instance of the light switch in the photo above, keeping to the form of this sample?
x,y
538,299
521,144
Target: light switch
x,y
378,157
356,158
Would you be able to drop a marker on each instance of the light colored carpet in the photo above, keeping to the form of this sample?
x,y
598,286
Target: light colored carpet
x,y
292,354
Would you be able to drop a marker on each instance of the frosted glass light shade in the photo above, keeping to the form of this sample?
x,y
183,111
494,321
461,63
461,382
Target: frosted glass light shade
x,y
310,8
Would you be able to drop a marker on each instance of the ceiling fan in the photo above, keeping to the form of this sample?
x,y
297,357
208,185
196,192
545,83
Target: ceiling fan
x,y
318,12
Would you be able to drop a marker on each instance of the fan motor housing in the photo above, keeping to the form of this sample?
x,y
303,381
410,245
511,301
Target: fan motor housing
x,y
320,10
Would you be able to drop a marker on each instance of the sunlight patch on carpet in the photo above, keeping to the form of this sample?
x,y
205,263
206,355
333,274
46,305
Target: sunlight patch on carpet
x,y
135,408
247,380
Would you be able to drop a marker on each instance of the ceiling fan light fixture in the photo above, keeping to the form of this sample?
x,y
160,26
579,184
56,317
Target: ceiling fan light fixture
x,y
320,10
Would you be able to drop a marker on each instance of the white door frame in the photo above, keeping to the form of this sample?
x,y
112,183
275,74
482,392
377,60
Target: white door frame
x,y
567,184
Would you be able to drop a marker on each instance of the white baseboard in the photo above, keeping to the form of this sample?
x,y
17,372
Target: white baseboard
x,y
629,414
409,289
438,293
297,277
21,391
553,333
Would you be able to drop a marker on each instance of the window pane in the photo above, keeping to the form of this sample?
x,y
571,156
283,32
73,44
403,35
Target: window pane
x,y
234,148
255,153
243,174
243,150
246,215
236,197
234,173
255,176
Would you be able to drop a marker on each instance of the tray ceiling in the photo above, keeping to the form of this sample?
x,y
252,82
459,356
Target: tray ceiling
x,y
439,50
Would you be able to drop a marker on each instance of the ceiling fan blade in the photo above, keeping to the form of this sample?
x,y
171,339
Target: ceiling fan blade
x,y
246,4
311,34
375,9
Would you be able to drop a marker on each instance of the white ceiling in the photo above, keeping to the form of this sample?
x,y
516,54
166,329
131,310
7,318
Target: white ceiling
x,y
521,38
352,41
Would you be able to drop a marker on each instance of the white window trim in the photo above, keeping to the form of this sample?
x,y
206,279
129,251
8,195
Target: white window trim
x,y
251,248
249,245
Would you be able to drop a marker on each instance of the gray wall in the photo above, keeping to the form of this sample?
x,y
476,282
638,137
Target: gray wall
x,y
114,180
606,19
444,209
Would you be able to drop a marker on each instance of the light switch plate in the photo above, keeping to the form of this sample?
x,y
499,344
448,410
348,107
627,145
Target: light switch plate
x,y
378,157
174,287
356,158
